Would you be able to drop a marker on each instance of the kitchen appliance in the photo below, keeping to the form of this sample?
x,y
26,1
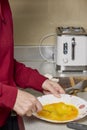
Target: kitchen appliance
x,y
71,49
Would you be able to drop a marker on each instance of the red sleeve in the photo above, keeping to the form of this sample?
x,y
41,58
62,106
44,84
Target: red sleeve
x,y
26,77
7,95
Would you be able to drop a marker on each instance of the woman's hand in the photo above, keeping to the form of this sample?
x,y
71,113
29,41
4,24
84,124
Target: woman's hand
x,y
51,87
26,104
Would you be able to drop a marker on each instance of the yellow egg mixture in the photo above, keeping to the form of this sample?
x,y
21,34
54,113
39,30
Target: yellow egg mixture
x,y
59,111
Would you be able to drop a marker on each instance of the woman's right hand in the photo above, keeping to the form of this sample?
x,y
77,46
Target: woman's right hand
x,y
26,104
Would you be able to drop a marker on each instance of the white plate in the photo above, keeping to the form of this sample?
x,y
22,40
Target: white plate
x,y
80,104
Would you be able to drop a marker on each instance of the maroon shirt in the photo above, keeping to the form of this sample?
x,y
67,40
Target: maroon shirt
x,y
12,73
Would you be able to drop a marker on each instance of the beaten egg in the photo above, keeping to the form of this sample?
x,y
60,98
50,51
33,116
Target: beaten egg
x,y
59,111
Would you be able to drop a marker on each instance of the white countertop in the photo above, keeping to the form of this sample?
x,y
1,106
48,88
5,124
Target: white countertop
x,y
32,123
50,68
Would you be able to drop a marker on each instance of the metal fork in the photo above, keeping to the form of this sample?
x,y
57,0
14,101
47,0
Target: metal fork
x,y
79,86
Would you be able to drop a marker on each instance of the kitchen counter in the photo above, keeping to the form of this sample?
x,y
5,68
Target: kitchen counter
x,y
50,68
33,123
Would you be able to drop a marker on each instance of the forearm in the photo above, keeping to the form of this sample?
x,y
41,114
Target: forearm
x,y
26,77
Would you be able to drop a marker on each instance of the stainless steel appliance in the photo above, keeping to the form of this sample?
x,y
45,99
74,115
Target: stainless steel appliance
x,y
71,49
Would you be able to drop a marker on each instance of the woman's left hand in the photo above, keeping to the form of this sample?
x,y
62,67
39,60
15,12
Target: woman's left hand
x,y
51,87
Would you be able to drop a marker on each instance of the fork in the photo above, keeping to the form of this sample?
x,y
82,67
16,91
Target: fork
x,y
79,86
